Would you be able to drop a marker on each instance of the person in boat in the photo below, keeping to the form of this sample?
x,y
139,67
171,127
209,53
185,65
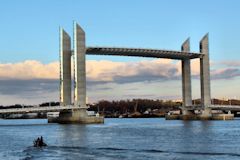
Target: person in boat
x,y
39,142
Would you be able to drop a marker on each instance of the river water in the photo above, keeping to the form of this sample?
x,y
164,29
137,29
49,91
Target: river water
x,y
122,139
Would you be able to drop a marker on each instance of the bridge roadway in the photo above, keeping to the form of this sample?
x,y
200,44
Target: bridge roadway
x,y
226,107
61,108
154,53
37,109
216,107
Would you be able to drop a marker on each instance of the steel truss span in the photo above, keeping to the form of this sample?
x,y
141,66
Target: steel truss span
x,y
140,52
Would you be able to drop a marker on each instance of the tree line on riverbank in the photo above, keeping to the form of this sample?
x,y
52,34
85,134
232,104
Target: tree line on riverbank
x,y
134,106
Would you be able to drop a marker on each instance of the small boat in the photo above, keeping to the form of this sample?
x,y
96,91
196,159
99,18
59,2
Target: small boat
x,y
39,142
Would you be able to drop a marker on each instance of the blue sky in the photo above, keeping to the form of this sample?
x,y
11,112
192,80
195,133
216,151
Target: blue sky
x,y
30,31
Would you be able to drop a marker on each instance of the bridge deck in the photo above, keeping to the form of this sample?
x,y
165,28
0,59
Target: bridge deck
x,y
61,108
216,107
36,109
226,107
154,53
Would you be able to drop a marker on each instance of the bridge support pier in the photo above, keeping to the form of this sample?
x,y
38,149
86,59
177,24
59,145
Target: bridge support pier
x,y
205,77
65,68
187,108
79,67
76,115
186,80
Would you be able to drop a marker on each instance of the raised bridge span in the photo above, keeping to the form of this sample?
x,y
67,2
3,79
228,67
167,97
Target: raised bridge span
x,y
142,52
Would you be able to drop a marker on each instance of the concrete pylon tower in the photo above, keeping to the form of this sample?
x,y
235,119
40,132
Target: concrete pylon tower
x,y
80,69
65,68
186,77
205,74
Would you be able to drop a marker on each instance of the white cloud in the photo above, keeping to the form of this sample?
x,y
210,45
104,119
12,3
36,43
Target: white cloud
x,y
33,82
29,69
102,70
230,63
108,71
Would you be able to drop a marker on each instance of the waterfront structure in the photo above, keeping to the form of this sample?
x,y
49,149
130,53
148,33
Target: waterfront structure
x,y
80,50
76,111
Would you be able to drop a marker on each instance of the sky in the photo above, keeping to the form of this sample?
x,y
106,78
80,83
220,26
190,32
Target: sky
x,y
29,47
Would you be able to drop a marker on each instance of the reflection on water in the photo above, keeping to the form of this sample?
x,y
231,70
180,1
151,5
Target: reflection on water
x,y
122,139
